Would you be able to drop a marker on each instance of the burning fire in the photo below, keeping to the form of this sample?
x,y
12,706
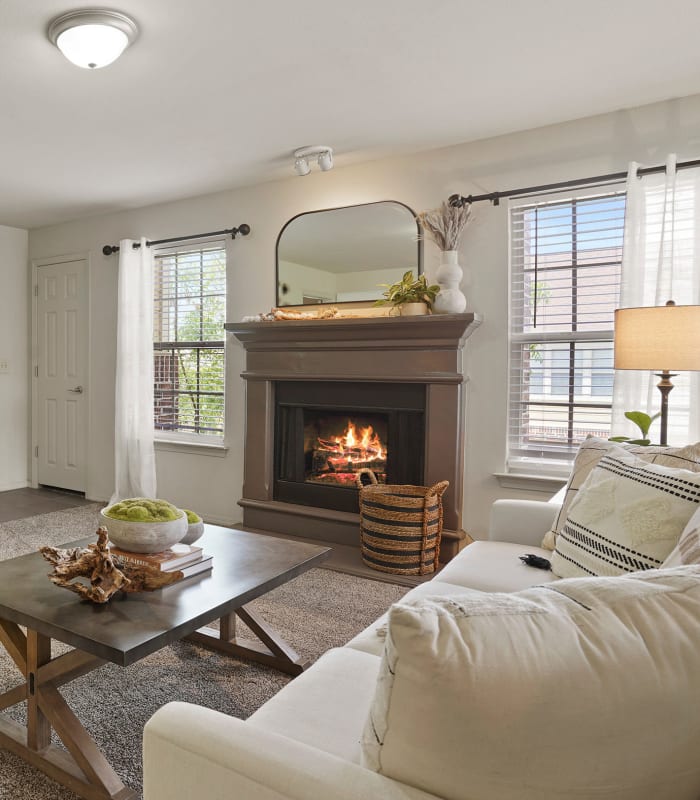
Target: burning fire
x,y
353,447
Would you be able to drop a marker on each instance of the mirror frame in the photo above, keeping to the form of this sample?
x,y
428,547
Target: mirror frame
x,y
419,248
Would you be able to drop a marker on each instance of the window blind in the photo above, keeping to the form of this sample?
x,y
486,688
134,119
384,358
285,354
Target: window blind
x,y
565,259
189,352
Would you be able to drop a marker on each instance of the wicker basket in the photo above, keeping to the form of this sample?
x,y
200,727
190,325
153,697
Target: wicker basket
x,y
401,527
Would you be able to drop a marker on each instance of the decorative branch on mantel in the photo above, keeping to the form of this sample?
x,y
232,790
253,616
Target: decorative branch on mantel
x,y
445,225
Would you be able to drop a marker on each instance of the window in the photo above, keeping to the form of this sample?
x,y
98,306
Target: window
x,y
565,283
189,314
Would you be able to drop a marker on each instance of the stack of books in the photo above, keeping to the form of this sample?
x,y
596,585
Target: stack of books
x,y
186,558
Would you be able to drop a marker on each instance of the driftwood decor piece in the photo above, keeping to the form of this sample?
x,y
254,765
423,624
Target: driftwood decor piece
x,y
95,563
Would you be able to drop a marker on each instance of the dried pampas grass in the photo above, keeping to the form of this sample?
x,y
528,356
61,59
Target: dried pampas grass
x,y
444,225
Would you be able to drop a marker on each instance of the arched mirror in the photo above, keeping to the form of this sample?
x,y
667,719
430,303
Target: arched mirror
x,y
341,255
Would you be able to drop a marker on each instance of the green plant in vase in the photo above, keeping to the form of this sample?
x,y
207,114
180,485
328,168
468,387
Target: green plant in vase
x,y
409,291
643,422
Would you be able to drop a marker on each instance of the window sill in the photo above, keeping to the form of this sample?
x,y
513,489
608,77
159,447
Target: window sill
x,y
192,448
548,484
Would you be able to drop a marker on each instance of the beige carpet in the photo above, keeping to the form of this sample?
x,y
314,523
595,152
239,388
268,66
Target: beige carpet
x,y
317,611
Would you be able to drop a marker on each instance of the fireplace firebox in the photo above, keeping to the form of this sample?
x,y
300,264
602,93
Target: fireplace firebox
x,y
326,433
337,449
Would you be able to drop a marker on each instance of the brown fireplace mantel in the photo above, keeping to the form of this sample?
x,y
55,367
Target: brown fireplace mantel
x,y
426,350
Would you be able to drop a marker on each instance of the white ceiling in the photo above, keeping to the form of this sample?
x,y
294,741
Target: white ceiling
x,y
217,93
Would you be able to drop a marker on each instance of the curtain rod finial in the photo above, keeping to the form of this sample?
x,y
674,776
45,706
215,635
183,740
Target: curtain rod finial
x,y
110,249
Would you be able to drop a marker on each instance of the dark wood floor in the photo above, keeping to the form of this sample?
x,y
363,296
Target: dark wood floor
x,y
22,503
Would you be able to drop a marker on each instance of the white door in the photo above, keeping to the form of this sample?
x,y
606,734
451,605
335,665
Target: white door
x,y
62,373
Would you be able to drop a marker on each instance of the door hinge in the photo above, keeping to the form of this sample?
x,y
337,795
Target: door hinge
x,y
36,452
36,371
36,290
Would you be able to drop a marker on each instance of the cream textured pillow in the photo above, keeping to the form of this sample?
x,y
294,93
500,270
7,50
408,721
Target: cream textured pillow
x,y
627,516
585,688
687,551
593,449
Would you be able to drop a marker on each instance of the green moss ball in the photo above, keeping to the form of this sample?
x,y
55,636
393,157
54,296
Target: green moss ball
x,y
138,513
192,517
143,509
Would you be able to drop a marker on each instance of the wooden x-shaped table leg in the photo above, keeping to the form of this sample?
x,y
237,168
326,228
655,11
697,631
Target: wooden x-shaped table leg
x,y
84,769
272,651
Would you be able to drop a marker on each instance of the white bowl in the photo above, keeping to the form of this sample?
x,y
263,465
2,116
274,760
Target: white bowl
x,y
145,537
194,532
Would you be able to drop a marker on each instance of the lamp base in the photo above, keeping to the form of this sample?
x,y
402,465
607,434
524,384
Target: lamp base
x,y
664,386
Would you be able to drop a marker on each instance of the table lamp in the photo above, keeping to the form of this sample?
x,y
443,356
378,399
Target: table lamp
x,y
662,339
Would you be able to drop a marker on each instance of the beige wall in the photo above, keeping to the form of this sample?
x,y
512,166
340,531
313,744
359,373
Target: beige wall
x,y
571,150
14,335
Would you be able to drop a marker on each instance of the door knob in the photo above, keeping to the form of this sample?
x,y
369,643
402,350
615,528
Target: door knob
x,y
77,390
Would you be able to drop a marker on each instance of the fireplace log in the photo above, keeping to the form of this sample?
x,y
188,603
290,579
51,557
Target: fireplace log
x,y
323,461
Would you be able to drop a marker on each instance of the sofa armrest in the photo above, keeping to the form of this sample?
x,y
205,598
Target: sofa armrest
x,y
521,521
191,751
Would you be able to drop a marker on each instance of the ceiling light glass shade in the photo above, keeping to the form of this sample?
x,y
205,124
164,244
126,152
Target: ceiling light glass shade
x,y
301,166
325,160
92,38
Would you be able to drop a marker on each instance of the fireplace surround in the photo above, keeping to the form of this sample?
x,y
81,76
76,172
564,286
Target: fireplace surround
x,y
406,373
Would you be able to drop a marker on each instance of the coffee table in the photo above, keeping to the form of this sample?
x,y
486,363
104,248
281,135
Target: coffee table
x,y
246,566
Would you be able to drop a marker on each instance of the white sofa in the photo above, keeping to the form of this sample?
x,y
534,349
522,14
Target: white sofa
x,y
304,742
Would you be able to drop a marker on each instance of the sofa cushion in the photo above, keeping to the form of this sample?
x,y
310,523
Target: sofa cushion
x,y
627,516
585,688
371,639
495,567
325,707
486,566
593,449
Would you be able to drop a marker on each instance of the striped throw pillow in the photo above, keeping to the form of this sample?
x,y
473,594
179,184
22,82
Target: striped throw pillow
x,y
593,449
627,516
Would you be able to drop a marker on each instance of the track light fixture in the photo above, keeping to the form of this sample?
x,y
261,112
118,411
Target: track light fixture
x,y
325,161
301,166
323,154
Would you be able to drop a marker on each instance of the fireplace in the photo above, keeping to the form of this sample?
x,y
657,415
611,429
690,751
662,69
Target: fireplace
x,y
313,391
329,433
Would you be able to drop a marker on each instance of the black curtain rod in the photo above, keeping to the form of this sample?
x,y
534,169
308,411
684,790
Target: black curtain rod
x,y
243,229
458,200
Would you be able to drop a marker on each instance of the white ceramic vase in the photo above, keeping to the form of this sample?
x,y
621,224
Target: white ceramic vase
x,y
450,299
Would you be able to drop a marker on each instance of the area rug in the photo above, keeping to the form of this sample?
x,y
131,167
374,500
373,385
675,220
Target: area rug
x,y
319,610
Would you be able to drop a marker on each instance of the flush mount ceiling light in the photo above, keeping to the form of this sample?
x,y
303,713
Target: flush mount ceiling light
x,y
92,37
323,154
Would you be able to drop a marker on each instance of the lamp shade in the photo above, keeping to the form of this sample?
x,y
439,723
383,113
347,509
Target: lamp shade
x,y
659,338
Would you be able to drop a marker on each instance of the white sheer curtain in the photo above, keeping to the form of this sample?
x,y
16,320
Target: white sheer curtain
x,y
660,262
134,457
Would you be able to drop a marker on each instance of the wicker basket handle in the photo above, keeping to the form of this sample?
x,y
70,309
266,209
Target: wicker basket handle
x,y
365,471
438,489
